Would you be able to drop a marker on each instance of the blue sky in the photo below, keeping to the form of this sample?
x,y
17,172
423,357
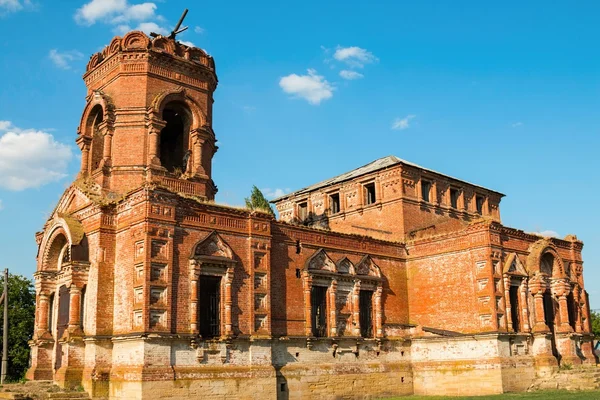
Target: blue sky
x,y
505,95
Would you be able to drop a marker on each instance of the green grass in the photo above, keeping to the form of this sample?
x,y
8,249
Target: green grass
x,y
542,395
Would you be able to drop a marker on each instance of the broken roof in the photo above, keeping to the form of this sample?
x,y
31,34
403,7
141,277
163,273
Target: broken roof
x,y
380,163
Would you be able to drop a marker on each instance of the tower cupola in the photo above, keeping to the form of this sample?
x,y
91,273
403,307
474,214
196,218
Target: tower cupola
x,y
148,116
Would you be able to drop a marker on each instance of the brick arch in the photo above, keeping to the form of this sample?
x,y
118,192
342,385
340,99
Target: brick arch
x,y
63,231
179,96
102,100
540,249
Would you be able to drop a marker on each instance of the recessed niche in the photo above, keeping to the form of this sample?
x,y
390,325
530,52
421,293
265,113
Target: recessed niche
x,y
158,272
157,318
157,295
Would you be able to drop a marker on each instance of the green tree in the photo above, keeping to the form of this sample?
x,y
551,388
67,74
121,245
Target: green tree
x,y
21,316
257,201
595,317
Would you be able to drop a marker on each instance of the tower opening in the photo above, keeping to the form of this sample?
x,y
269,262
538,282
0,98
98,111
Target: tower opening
x,y
174,138
95,119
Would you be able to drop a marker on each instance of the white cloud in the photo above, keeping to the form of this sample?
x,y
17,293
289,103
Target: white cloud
x,y
248,109
198,29
402,123
148,27
312,87
114,12
546,233
190,44
1,205
13,5
122,29
517,124
274,193
354,56
350,75
65,58
5,125
31,158
137,12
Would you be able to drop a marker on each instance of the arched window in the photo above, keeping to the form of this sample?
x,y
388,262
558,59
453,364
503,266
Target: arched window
x,y
57,252
174,138
546,264
95,119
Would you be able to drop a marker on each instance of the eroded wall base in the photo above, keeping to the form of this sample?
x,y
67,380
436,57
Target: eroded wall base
x,y
175,367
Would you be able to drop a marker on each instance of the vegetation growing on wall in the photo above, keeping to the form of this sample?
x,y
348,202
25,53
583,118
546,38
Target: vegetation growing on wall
x,y
257,201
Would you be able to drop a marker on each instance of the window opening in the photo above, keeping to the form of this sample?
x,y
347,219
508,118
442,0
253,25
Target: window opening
x,y
369,193
546,264
514,308
173,139
571,310
97,138
319,311
302,211
425,190
210,296
479,200
454,193
366,313
549,311
334,200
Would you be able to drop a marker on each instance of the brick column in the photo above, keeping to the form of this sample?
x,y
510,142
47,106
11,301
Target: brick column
x,y
356,307
153,146
577,309
378,312
228,302
194,303
526,327
333,308
42,320
561,290
74,309
107,147
197,155
307,282
508,304
84,144
537,288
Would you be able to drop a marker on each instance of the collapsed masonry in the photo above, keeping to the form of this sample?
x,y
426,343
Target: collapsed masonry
x,y
390,279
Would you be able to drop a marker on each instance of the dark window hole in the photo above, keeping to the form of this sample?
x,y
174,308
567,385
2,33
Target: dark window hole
x,y
297,272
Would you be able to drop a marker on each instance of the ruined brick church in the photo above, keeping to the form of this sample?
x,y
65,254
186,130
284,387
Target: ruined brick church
x,y
390,279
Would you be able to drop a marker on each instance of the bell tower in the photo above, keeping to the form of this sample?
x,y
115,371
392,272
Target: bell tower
x,y
148,117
